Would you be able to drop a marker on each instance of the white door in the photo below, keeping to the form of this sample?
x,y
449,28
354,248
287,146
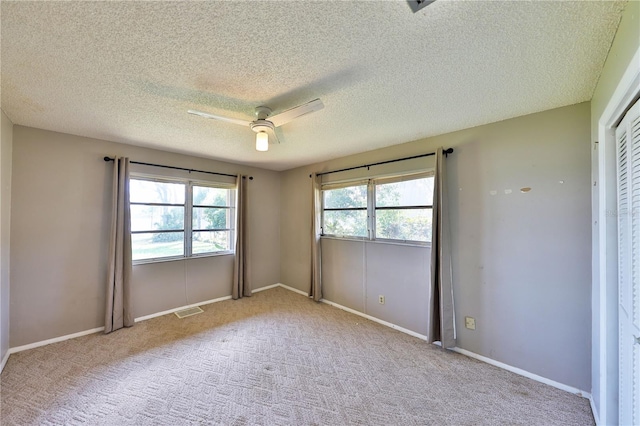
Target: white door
x,y
628,170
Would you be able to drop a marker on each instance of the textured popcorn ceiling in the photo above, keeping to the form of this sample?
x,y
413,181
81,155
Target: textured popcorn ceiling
x,y
129,71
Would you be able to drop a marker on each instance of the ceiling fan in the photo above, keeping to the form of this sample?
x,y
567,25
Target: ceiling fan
x,y
265,124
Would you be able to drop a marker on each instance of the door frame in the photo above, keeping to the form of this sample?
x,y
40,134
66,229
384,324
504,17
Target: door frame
x,y
606,254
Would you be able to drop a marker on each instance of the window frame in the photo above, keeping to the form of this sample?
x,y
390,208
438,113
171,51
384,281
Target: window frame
x,y
232,214
188,216
371,208
329,186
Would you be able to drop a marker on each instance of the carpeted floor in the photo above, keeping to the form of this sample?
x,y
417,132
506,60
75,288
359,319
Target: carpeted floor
x,y
276,358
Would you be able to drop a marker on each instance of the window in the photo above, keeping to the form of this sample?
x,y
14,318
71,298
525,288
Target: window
x,y
403,210
212,220
395,209
174,219
345,211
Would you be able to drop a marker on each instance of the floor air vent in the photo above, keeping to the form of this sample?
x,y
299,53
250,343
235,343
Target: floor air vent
x,y
188,312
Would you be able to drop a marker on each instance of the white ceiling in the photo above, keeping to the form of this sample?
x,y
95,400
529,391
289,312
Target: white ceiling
x,y
129,71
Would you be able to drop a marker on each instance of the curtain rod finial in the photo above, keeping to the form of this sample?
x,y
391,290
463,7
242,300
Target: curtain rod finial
x,y
107,159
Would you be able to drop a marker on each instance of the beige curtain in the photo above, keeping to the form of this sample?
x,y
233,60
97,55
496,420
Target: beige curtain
x,y
441,311
119,311
241,269
315,289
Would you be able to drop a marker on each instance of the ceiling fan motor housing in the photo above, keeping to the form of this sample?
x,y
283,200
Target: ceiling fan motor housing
x,y
261,126
262,112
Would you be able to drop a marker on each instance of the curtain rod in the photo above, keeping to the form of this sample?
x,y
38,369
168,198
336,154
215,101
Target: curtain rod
x,y
429,154
178,168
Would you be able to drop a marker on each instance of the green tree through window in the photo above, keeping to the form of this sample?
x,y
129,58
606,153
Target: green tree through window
x,y
345,211
158,212
212,219
401,208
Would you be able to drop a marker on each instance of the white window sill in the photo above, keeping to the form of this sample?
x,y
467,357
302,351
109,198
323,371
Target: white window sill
x,y
379,241
178,258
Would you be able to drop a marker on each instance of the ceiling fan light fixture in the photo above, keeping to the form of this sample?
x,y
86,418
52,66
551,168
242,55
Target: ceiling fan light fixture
x,y
261,127
262,141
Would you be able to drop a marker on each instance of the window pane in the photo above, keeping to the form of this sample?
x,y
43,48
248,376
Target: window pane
x,y
156,218
417,192
206,196
210,218
146,191
409,225
153,245
211,241
349,197
345,223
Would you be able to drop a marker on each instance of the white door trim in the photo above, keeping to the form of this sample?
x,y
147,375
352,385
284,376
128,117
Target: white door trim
x,y
626,92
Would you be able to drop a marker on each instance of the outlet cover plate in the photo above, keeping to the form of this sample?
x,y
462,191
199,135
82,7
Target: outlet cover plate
x,y
470,323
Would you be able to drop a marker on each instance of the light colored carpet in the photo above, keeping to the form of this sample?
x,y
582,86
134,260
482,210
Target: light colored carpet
x,y
276,358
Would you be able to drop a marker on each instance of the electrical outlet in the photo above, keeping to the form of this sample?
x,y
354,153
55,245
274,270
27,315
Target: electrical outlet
x,y
381,299
470,323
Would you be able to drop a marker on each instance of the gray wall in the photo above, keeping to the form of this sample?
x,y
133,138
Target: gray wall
x,y
6,143
59,231
625,45
355,273
521,261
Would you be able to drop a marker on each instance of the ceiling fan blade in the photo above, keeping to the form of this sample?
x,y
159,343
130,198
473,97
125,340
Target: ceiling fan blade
x,y
219,117
273,137
279,135
288,115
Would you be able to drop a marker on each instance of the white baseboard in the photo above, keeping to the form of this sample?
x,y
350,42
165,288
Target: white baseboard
x,y
193,305
55,340
344,308
470,354
374,319
524,373
295,290
257,290
143,318
4,360
99,329
594,410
